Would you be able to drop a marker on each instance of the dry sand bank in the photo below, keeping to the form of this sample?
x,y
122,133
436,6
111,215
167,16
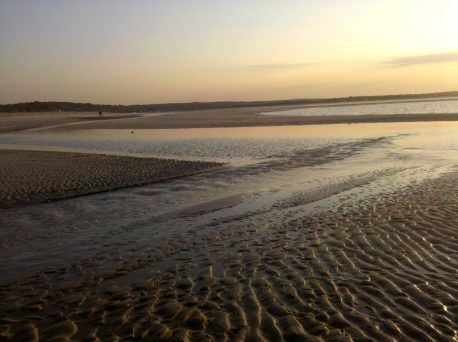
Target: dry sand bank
x,y
11,122
233,118
236,117
38,176
383,272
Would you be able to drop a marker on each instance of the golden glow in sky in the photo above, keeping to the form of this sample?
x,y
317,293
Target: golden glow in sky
x,y
159,51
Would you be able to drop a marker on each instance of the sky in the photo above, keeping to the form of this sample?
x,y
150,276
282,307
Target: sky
x,y
151,51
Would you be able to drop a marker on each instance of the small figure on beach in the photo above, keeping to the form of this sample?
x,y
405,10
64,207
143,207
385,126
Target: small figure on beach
x,y
100,113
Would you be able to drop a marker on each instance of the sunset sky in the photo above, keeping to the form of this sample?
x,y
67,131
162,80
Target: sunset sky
x,y
175,51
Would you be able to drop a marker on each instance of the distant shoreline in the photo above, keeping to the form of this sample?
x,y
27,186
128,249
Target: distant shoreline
x,y
55,106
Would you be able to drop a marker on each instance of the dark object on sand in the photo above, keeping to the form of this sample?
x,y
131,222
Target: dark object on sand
x,y
100,113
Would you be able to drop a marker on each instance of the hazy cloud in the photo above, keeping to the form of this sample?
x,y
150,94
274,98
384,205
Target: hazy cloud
x,y
277,66
423,59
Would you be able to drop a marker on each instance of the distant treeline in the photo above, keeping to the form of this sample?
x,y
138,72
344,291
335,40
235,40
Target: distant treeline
x,y
167,107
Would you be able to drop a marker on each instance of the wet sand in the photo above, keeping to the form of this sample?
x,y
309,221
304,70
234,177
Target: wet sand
x,y
12,122
387,271
365,249
232,118
235,117
38,176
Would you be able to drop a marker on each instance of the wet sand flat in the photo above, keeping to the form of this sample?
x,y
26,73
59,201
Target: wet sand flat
x,y
38,176
232,118
249,118
386,271
444,109
11,122
235,117
348,240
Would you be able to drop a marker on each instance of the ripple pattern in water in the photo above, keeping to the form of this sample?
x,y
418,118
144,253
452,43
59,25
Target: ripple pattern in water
x,y
204,149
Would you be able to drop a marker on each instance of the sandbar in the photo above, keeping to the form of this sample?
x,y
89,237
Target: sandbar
x,y
41,176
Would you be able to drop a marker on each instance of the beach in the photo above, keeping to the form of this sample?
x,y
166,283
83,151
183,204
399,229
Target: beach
x,y
41,176
230,117
218,171
387,271
265,231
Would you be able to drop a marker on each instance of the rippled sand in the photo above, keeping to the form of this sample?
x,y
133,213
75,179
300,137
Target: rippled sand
x,y
385,271
328,239
38,176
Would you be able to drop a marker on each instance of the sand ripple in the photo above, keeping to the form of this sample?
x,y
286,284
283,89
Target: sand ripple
x,y
38,176
385,272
